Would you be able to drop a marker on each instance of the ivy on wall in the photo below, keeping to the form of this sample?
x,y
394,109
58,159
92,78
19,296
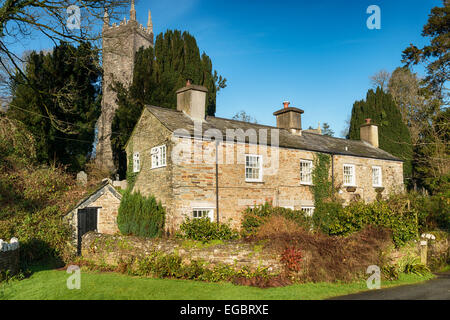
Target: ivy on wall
x,y
322,187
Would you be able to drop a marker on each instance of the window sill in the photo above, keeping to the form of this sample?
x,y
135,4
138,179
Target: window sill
x,y
254,181
159,167
306,184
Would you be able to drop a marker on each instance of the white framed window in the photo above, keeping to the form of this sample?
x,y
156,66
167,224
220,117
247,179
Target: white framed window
x,y
308,210
158,156
306,171
253,168
377,176
349,175
136,162
198,213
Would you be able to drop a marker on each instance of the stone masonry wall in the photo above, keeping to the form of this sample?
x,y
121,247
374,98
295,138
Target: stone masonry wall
x,y
9,256
111,249
150,181
194,184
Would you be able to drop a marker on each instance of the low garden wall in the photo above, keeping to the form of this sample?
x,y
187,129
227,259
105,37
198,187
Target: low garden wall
x,y
114,250
9,256
111,249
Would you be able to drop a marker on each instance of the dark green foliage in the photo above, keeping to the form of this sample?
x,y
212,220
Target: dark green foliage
x,y
392,214
435,55
327,131
59,103
158,74
394,136
255,217
326,206
206,230
433,211
416,268
140,216
431,154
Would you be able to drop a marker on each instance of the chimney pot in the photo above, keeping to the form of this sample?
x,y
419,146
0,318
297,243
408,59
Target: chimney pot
x,y
369,133
192,100
286,104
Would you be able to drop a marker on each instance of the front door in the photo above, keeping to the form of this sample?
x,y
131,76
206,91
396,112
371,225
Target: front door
x,y
87,221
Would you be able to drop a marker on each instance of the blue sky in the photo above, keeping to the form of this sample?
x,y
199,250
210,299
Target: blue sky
x,y
316,54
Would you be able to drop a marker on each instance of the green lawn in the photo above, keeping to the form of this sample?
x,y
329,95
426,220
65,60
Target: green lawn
x,y
51,284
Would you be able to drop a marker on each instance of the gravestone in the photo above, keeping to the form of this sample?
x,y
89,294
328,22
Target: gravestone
x,y
82,178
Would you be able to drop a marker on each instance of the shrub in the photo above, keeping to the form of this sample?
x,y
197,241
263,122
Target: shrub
x,y
205,230
416,268
292,258
254,218
276,225
433,211
140,216
331,258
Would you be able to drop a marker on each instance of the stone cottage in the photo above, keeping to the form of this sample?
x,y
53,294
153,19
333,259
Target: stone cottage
x,y
96,212
199,165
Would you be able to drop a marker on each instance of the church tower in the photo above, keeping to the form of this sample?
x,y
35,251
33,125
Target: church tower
x,y
120,44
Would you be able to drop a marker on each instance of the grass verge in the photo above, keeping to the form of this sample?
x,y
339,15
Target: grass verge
x,y
51,285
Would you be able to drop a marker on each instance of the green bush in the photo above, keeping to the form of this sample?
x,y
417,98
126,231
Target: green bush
x,y
205,230
433,211
140,216
255,217
391,214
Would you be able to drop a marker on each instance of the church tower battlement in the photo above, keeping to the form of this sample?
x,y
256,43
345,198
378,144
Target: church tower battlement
x,y
120,43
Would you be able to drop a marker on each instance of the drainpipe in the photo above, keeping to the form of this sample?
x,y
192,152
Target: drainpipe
x,y
332,173
217,181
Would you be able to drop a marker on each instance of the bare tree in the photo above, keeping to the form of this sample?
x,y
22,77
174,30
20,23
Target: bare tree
x,y
380,79
72,21
243,116
58,20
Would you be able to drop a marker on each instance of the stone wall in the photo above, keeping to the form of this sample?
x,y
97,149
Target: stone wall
x,y
110,249
9,256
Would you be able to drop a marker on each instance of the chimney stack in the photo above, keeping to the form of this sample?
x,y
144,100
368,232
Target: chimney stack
x,y
192,100
289,118
369,133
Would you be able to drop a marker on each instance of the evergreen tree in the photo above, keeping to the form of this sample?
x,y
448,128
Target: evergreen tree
x,y
327,131
58,101
158,74
393,134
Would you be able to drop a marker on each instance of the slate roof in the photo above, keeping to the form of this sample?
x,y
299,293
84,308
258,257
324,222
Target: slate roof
x,y
175,120
93,196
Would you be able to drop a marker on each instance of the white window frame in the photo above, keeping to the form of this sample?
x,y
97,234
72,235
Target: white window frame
x,y
158,156
310,163
136,162
309,210
210,213
352,183
380,176
260,178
